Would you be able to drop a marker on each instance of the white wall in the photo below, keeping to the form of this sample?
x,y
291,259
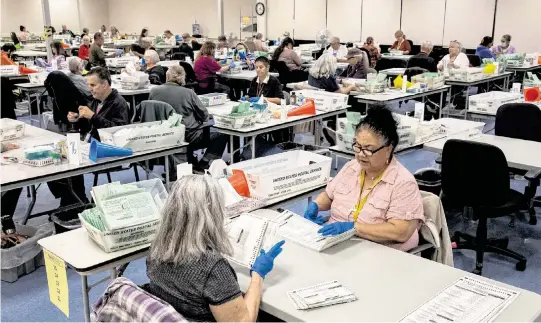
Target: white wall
x,y
279,17
94,13
521,22
381,19
310,17
64,12
233,11
420,26
344,19
469,21
21,12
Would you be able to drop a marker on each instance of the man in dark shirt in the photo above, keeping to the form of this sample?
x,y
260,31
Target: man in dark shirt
x,y
185,47
97,55
423,59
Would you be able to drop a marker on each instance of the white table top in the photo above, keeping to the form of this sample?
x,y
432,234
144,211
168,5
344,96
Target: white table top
x,y
30,53
168,63
521,154
165,46
483,80
402,57
114,85
393,71
389,283
392,95
246,75
16,173
109,50
523,68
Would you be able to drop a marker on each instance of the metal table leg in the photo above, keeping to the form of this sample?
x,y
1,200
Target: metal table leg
x,y
166,172
253,147
31,206
441,103
133,104
113,274
231,149
467,103
86,303
318,132
38,103
29,105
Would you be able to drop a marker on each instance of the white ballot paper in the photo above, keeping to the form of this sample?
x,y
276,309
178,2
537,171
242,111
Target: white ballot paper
x,y
320,295
302,231
248,234
127,210
467,300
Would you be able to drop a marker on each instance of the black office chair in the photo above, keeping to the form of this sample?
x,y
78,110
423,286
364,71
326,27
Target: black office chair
x,y
178,56
427,63
285,75
15,40
386,63
475,61
474,176
522,121
191,80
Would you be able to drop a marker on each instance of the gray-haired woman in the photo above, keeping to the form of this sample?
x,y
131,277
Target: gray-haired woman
x,y
186,265
323,75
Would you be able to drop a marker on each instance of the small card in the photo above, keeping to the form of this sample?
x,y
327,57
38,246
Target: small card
x,y
74,148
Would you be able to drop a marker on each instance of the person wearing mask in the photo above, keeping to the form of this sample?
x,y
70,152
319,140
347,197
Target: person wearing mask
x,y
337,50
483,50
423,59
265,84
504,47
373,51
373,194
186,265
222,43
401,43
285,53
97,55
23,34
195,117
358,64
169,38
103,31
323,76
156,73
76,67
84,49
185,46
455,59
241,53
206,67
259,44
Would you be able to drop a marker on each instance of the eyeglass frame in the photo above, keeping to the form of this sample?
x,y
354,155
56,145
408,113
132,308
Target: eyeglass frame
x,y
372,152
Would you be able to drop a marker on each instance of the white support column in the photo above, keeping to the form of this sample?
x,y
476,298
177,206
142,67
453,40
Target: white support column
x,y
221,16
47,22
79,17
262,20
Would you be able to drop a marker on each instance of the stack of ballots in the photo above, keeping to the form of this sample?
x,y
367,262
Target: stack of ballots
x,y
125,215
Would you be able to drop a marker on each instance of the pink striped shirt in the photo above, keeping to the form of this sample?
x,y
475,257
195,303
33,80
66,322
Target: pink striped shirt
x,y
396,196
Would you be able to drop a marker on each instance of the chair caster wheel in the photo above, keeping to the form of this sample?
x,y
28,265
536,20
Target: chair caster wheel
x,y
478,271
521,266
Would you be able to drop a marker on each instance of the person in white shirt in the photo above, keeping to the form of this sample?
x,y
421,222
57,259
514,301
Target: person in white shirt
x,y
338,50
169,38
455,58
23,35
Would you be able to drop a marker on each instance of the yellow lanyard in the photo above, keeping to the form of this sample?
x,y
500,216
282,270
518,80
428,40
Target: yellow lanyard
x,y
362,201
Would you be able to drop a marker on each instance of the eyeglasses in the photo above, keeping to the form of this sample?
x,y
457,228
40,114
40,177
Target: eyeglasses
x,y
367,152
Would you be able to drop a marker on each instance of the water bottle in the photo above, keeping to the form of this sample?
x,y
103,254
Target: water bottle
x,y
300,99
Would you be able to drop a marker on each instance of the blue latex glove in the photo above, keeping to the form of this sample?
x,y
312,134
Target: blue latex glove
x,y
336,228
232,64
311,213
143,62
253,99
264,263
242,55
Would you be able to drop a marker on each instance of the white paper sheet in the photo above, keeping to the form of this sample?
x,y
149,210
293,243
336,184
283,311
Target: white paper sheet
x,y
246,234
320,295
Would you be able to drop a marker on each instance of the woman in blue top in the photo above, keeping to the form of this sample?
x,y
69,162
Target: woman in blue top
x,y
483,50
323,75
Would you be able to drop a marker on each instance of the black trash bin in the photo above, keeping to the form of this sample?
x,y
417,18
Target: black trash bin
x,y
429,180
67,218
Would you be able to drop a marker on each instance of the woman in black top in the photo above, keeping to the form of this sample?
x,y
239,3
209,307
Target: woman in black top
x,y
264,84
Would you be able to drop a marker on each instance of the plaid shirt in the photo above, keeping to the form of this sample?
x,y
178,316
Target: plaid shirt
x,y
123,301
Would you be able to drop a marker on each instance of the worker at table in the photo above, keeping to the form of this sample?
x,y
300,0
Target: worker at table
x,y
169,38
241,53
483,50
156,73
504,47
23,34
185,46
374,52
373,194
7,50
265,84
206,67
115,34
455,59
285,53
222,44
84,49
401,43
186,265
97,55
337,50
76,67
259,44
423,59
357,64
322,76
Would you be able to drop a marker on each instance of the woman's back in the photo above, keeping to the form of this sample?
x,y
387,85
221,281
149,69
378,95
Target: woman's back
x,y
292,60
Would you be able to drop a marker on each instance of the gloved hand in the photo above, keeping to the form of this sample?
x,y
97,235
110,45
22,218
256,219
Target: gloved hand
x,y
253,99
232,64
311,213
336,228
242,55
264,263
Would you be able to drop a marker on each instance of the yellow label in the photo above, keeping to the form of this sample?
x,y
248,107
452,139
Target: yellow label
x,y
246,20
58,281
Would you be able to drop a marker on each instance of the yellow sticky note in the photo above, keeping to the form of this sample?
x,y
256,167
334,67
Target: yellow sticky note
x,y
246,20
57,281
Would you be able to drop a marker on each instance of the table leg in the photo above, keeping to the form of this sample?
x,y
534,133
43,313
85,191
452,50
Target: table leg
x,y
38,103
253,147
231,149
467,103
113,274
318,132
133,104
167,172
441,103
31,206
29,105
449,99
86,303
335,162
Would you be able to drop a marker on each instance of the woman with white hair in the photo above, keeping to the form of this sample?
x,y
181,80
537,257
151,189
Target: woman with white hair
x,y
455,58
259,45
323,75
84,49
156,73
186,265
195,118
76,67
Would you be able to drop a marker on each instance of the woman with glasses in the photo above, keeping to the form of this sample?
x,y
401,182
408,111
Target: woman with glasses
x,y
373,194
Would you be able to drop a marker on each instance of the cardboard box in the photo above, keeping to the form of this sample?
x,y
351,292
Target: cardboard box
x,y
145,138
121,61
407,131
432,80
345,142
284,173
9,69
469,74
346,127
461,129
488,103
11,129
325,101
213,99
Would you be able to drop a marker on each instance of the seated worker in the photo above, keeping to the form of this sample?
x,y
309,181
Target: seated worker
x,y
76,67
185,46
97,55
265,84
455,59
321,76
358,64
156,73
373,194
7,50
337,50
401,43
259,44
504,47
86,32
423,59
222,43
59,57
483,50
103,31
84,49
241,53
143,36
206,67
23,35
115,34
373,51
186,265
285,53
169,38
195,117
